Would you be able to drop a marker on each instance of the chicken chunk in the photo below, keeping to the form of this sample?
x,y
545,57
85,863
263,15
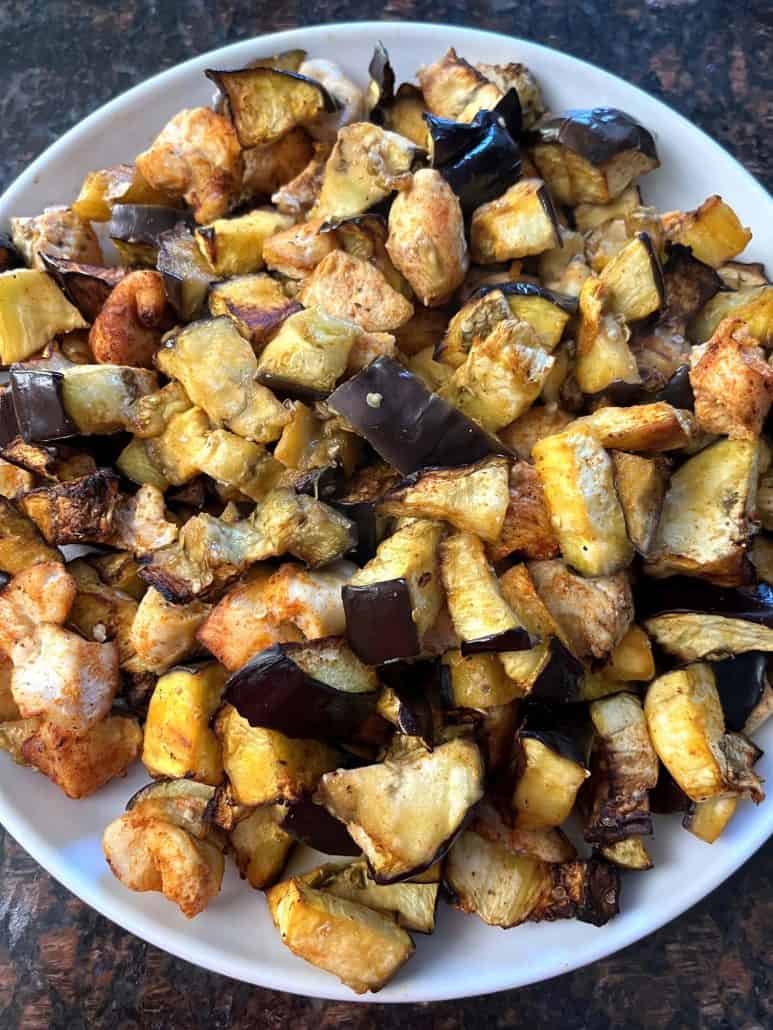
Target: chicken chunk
x,y
732,382
347,288
426,237
296,252
196,156
162,633
140,524
58,232
128,329
454,89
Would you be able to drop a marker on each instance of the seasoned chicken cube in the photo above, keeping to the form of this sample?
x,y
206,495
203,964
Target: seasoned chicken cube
x,y
196,156
732,382
356,291
426,237
454,89
296,252
58,232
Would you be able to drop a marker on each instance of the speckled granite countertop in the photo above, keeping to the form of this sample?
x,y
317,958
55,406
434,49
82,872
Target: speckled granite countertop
x,y
64,966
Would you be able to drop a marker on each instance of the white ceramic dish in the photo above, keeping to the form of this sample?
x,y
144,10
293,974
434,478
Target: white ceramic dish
x,y
235,936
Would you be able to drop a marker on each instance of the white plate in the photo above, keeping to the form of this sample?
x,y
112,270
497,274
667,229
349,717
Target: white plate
x,y
235,935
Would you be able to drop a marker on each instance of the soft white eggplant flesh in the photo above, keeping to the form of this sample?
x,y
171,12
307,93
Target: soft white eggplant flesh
x,y
687,729
699,636
630,853
633,280
478,610
641,486
32,311
412,904
506,889
406,811
363,948
477,681
472,498
260,846
643,427
520,223
705,521
577,477
603,354
712,231
546,785
708,819
753,305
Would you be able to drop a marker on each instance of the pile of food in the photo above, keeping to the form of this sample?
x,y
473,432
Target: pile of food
x,y
421,479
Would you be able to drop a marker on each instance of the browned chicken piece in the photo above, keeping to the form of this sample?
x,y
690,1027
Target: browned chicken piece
x,y
58,232
196,156
129,327
299,195
139,522
732,382
426,237
81,765
296,252
269,167
527,529
150,854
345,287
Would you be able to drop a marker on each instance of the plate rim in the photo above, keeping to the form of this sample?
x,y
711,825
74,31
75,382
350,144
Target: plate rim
x,y
144,926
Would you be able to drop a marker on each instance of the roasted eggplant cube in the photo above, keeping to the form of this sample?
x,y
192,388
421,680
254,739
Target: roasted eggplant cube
x,y
694,636
475,320
186,273
21,543
256,304
234,246
265,766
520,223
633,280
178,740
404,812
712,232
363,948
39,405
604,358
502,375
100,398
753,305
473,498
266,103
308,355
476,681
577,478
316,689
164,633
261,846
704,524
33,310
547,781
642,427
687,729
86,286
707,819
399,590
526,530
627,771
641,486
482,618
77,512
591,156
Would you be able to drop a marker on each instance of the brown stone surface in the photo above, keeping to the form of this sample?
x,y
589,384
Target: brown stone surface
x,y
64,966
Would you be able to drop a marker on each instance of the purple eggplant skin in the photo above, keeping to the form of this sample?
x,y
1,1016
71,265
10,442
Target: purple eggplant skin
x,y
601,897
561,679
288,388
363,515
479,160
37,401
314,826
85,286
9,427
5,579
379,625
516,639
753,603
273,692
740,683
689,283
410,427
144,223
413,682
382,77
524,289
597,133
678,390
667,797
10,258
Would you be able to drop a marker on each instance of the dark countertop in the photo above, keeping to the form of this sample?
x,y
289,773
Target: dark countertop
x,y
64,966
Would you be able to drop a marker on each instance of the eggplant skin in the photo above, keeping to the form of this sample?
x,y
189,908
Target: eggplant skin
x,y
407,425
39,405
379,624
314,826
272,691
598,134
741,683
